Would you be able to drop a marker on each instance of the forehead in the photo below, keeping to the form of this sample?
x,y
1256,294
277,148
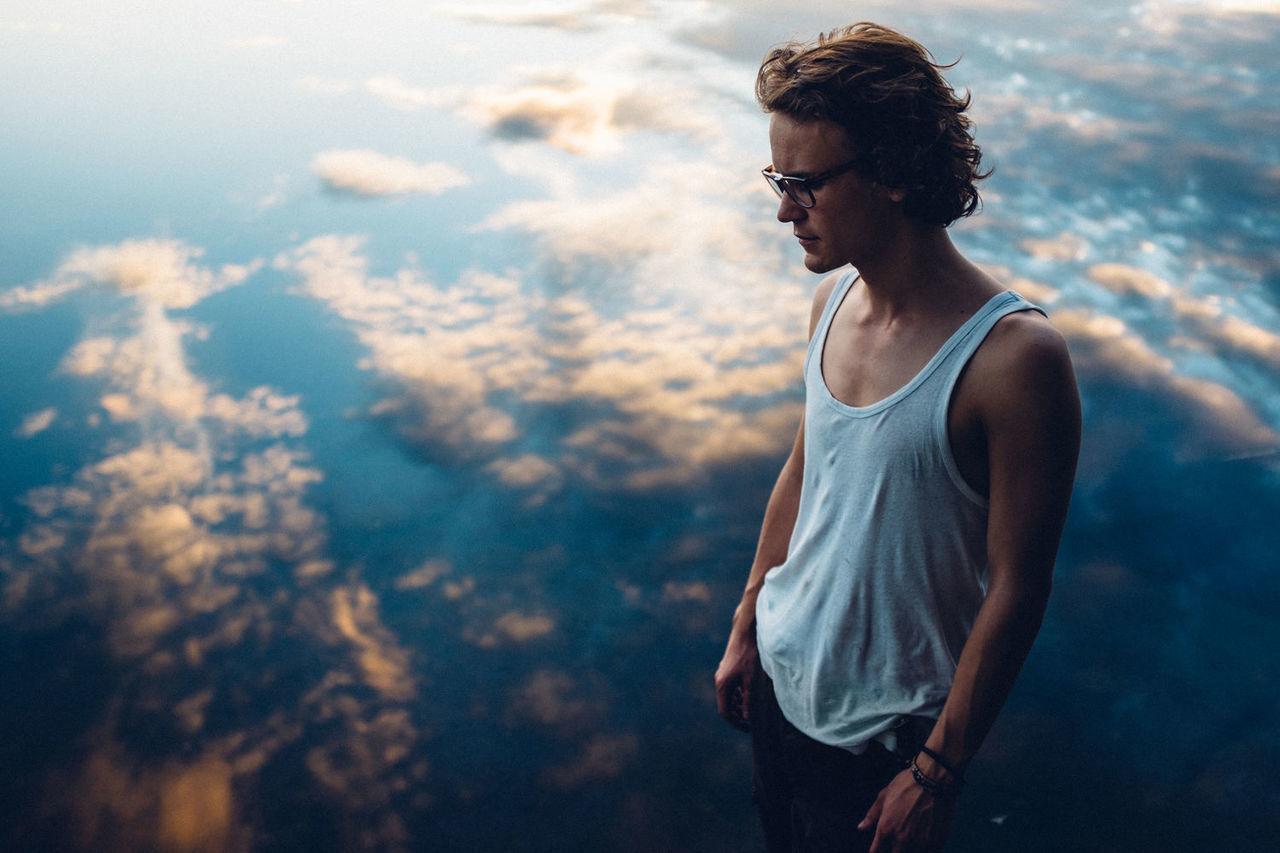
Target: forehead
x,y
801,147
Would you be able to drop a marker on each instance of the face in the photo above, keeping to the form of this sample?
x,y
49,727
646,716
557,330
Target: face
x,y
850,216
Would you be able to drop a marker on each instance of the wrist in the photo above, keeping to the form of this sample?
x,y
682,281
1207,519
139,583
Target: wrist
x,y
935,764
744,616
938,786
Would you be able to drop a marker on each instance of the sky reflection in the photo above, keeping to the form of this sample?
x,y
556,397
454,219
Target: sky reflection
x,y
392,396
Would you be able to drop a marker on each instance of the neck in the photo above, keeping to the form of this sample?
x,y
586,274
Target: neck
x,y
921,270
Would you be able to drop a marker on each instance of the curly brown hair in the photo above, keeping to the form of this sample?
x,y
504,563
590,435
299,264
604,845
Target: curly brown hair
x,y
905,122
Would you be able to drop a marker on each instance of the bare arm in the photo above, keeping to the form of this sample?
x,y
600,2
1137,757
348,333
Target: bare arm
x,y
736,672
1030,410
1032,420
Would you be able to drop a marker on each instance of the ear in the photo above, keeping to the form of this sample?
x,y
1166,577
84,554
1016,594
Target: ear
x,y
895,194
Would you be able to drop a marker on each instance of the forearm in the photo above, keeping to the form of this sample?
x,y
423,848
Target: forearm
x,y
736,672
775,538
1002,635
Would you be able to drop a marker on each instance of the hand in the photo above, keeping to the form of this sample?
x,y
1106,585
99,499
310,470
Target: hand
x,y
735,678
907,819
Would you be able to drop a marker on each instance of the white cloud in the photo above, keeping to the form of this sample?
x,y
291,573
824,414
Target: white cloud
x,y
159,271
570,16
590,111
148,377
524,471
36,422
369,173
1169,17
665,383
1122,278
1242,336
1065,247
1221,420
38,295
425,575
572,117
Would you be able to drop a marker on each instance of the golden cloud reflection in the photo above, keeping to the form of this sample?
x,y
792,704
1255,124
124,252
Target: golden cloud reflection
x,y
1223,421
191,539
477,359
178,805
554,698
383,664
603,756
1211,320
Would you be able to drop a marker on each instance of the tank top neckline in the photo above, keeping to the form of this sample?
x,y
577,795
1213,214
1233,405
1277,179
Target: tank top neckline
x,y
833,305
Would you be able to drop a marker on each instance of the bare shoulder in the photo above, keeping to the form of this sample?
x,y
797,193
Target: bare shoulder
x,y
1024,365
1026,334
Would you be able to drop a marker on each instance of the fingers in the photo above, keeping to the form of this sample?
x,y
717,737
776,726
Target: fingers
x,y
872,816
883,842
737,708
731,703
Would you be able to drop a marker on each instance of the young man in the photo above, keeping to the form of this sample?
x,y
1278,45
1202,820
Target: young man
x,y
907,549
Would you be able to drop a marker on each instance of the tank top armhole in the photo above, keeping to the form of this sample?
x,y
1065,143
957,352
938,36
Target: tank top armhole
x,y
941,432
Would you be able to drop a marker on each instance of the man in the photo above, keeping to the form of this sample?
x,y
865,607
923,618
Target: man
x,y
906,554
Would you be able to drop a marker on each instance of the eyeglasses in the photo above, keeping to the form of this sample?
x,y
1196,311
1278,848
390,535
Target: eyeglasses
x,y
801,190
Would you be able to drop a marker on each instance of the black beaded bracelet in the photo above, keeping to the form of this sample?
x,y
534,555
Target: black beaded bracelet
x,y
933,787
943,763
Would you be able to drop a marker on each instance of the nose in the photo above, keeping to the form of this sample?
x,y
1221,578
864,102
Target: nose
x,y
788,210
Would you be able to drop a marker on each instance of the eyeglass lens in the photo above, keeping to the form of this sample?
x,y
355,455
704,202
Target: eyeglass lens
x,y
799,193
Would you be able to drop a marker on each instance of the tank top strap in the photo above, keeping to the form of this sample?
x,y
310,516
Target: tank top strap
x,y
975,330
838,293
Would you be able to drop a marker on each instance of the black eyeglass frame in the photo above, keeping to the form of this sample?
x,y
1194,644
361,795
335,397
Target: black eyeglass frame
x,y
793,186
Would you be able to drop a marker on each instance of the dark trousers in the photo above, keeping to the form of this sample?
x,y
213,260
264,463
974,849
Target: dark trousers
x,y
812,796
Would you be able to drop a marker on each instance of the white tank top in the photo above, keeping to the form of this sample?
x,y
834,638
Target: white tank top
x,y
863,623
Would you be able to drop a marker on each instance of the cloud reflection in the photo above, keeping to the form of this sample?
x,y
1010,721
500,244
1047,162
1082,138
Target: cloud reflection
x,y
368,173
658,393
173,543
466,510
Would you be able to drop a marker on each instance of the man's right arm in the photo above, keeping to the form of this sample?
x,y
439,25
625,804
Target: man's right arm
x,y
736,673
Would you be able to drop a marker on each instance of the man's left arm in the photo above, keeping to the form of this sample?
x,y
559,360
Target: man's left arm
x,y
1030,410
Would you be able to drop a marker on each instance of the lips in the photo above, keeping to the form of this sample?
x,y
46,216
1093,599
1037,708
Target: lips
x,y
806,240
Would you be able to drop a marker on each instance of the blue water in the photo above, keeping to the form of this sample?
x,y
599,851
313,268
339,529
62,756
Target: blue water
x,y
423,531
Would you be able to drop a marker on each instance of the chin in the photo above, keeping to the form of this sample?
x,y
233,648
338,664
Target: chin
x,y
819,265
